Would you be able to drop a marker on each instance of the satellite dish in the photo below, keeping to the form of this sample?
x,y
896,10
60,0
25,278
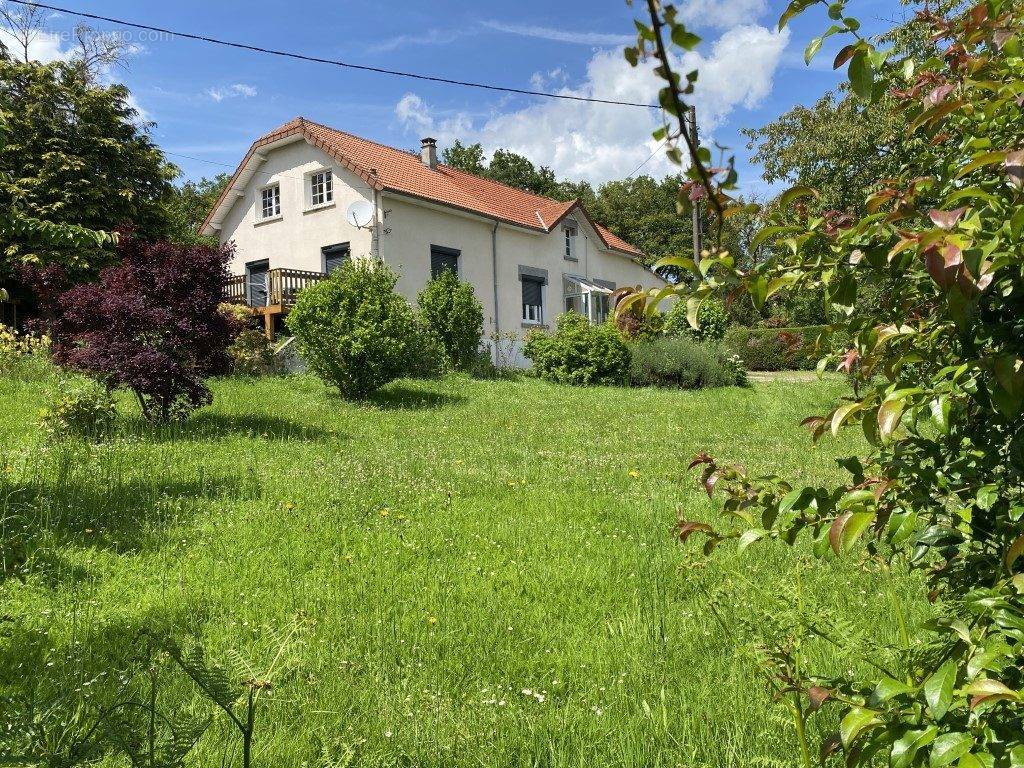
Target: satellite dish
x,y
360,213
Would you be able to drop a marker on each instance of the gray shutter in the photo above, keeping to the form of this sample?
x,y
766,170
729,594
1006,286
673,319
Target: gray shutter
x,y
442,259
532,291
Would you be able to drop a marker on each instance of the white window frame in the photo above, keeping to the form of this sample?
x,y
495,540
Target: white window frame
x,y
325,195
275,203
533,314
571,230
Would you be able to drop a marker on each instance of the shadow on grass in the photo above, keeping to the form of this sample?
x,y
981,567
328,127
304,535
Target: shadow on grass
x,y
404,398
211,426
121,515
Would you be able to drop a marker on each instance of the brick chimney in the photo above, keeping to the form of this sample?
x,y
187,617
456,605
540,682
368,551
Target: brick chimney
x,y
428,153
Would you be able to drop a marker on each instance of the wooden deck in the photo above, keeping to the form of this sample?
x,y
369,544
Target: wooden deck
x,y
282,289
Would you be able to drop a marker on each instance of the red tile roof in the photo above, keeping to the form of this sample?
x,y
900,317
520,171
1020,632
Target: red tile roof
x,y
388,169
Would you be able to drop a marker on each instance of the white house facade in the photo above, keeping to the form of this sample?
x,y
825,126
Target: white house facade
x,y
528,258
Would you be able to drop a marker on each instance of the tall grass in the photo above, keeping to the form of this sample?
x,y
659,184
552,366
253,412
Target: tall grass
x,y
485,569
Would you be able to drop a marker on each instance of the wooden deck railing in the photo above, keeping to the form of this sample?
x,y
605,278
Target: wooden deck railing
x,y
282,288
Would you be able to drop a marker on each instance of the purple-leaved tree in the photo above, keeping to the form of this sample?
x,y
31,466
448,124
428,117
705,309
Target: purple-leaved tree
x,y
151,324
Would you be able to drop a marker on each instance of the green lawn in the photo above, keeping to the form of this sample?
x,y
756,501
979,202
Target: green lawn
x,y
451,546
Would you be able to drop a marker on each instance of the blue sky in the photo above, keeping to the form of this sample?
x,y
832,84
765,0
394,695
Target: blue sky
x,y
208,103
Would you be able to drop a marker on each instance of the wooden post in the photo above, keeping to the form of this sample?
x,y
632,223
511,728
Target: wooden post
x,y
691,126
268,324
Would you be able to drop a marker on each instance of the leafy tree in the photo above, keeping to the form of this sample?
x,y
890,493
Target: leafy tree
x,y
188,205
150,324
18,225
643,211
77,156
451,311
939,364
469,159
838,147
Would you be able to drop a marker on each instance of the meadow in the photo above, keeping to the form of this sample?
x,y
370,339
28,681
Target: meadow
x,y
471,573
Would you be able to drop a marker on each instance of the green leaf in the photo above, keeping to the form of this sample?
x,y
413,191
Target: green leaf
x,y
812,49
938,689
862,75
940,412
693,310
684,38
795,193
856,721
887,688
682,262
1015,550
750,537
949,747
889,416
843,413
906,747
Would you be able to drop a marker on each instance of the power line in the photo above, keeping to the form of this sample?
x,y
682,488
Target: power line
x,y
649,158
334,62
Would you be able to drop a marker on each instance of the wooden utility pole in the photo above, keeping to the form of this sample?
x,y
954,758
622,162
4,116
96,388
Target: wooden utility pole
x,y
691,127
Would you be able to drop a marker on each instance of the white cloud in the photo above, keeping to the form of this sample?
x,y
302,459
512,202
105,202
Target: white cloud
x,y
232,91
599,142
44,46
430,37
560,35
722,13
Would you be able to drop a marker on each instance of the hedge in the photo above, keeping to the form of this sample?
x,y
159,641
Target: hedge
x,y
776,349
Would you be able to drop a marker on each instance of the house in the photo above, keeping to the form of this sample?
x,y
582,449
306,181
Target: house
x,y
529,258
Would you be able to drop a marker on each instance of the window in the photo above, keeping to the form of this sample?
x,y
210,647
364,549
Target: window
x,y
587,297
321,188
335,256
442,259
533,299
570,229
271,200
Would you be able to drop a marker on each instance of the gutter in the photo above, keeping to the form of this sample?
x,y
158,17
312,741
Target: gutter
x,y
494,268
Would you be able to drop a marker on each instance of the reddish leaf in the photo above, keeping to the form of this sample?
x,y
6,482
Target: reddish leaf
x,y
835,532
700,458
685,529
881,488
710,481
1014,164
938,95
817,696
946,219
844,55
848,361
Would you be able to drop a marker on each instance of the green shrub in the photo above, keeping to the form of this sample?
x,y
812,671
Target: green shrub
x,y
79,407
712,321
354,331
452,313
579,353
683,363
776,349
252,354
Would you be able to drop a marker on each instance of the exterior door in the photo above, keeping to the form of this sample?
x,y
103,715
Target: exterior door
x,y
257,288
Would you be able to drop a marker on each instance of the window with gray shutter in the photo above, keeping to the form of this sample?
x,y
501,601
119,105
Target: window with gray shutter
x,y
442,259
335,256
533,299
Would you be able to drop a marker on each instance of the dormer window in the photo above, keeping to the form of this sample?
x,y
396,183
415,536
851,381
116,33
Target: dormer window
x,y
321,188
271,201
571,231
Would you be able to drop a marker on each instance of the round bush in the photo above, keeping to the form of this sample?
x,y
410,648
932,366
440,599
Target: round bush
x,y
683,363
79,407
712,321
579,353
354,331
450,311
